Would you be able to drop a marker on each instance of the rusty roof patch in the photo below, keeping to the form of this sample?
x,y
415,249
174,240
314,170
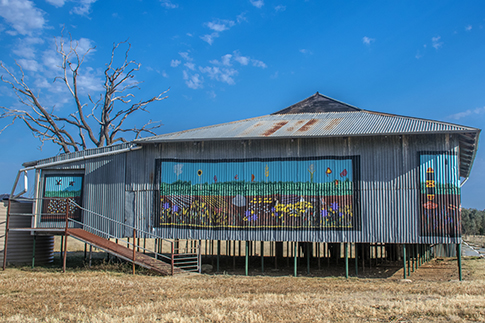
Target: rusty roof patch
x,y
308,125
274,128
333,123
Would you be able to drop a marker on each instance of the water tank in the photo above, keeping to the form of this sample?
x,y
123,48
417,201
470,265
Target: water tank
x,y
20,244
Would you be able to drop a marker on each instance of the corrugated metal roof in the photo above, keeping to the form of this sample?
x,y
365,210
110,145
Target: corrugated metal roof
x,y
330,124
321,116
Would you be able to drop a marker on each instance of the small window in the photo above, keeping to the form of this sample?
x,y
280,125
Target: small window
x,y
58,189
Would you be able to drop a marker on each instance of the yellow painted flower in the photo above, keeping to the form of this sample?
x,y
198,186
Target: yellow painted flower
x,y
199,172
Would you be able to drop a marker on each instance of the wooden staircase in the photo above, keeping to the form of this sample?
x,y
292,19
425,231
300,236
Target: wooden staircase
x,y
124,253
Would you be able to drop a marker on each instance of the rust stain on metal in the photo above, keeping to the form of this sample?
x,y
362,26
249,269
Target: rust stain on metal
x,y
297,124
308,125
333,123
275,128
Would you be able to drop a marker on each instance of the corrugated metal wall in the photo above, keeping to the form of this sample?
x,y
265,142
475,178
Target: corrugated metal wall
x,y
123,186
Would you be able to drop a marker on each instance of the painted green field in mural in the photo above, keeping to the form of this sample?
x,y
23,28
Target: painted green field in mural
x,y
336,188
442,188
62,194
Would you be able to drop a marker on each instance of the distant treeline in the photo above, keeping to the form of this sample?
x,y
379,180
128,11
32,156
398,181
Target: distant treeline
x,y
473,221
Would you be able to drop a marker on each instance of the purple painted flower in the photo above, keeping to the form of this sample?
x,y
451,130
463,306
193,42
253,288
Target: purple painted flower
x,y
324,213
334,206
247,213
175,208
166,206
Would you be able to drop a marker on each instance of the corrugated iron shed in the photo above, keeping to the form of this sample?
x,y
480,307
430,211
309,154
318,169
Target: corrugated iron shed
x,y
321,116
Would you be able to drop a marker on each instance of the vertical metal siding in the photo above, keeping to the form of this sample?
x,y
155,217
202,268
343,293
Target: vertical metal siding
x,y
123,186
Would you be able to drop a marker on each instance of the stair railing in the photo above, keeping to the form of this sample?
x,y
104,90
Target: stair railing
x,y
135,246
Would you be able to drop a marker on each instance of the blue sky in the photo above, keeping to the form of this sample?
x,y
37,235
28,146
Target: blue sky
x,y
324,171
230,60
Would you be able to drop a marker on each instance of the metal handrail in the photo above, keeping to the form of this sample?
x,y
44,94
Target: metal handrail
x,y
117,222
121,239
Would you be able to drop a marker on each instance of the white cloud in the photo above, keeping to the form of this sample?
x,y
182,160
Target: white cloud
x,y
164,74
56,3
435,42
210,38
212,94
193,81
83,45
168,4
467,113
84,7
29,65
26,47
280,8
258,63
257,3
468,28
185,55
225,60
190,65
241,17
220,74
367,41
189,34
306,51
220,25
243,60
22,15
175,62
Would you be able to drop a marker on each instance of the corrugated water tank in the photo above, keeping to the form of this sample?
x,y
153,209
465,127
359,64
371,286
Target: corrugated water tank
x,y
20,244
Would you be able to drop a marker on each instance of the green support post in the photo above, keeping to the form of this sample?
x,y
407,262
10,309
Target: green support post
x,y
295,249
404,258
262,257
412,256
356,259
218,253
458,255
247,258
308,254
33,251
347,260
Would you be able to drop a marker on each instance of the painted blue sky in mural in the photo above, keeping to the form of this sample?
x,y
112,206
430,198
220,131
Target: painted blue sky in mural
x,y
444,167
324,171
63,183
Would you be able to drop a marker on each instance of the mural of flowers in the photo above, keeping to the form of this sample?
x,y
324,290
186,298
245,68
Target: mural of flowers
x,y
311,170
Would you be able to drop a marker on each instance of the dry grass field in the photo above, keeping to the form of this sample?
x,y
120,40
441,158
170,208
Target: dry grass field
x,y
109,293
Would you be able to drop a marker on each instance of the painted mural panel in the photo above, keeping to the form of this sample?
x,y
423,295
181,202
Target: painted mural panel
x,y
439,195
57,189
311,193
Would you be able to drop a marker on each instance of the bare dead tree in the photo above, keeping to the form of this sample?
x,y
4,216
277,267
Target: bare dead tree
x,y
103,124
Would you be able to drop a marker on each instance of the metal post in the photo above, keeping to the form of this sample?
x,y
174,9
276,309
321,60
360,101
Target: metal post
x,y
172,263
247,258
262,256
65,237
33,252
90,254
356,260
296,258
134,249
308,254
458,255
346,260
234,255
318,253
404,259
6,236
412,255
218,253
